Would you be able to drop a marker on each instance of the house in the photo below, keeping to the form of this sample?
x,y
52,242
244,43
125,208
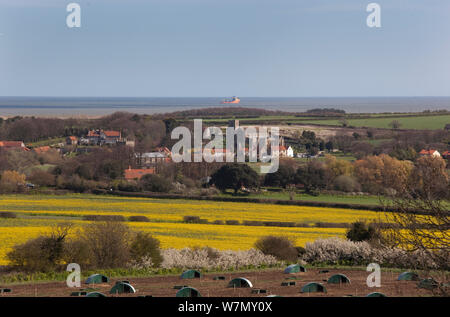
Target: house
x,y
110,137
100,137
71,140
433,153
164,150
290,152
150,158
447,126
13,145
131,174
41,149
130,143
280,151
446,155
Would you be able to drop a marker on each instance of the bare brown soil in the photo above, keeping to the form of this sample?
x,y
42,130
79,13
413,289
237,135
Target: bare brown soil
x,y
163,286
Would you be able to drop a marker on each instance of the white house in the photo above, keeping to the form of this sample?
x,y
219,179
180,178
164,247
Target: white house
x,y
290,152
433,153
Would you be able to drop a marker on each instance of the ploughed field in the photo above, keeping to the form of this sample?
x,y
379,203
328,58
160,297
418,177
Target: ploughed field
x,y
269,280
36,215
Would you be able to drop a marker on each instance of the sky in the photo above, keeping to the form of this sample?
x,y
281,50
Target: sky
x,y
209,48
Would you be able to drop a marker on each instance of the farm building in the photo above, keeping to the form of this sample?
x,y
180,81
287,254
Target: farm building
x,y
376,294
191,274
432,153
97,279
408,276
13,145
294,268
95,294
314,287
240,282
428,283
338,279
122,288
188,292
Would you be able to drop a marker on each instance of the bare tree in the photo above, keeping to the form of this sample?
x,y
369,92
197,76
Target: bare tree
x,y
422,215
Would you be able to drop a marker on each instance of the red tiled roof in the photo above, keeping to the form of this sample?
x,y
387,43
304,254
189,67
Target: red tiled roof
x,y
73,138
112,133
42,149
93,133
131,174
446,153
279,148
427,152
12,144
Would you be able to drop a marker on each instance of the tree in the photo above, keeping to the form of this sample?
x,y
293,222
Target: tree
x,y
360,231
281,178
422,216
313,176
44,253
107,243
338,167
235,176
343,122
11,181
280,247
155,183
145,247
329,146
380,174
395,124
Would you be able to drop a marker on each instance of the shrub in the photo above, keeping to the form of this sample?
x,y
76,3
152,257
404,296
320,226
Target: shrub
x,y
11,181
194,219
7,214
360,231
332,225
252,223
346,183
338,251
77,251
280,247
232,222
42,178
208,258
138,219
155,183
279,224
107,243
145,247
104,218
218,222
44,253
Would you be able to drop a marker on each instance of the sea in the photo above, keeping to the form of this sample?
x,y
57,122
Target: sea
x,y
98,106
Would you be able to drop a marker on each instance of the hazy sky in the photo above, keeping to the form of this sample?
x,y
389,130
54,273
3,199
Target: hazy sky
x,y
224,48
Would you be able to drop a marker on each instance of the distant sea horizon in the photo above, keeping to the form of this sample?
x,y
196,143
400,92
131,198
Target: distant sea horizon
x,y
98,106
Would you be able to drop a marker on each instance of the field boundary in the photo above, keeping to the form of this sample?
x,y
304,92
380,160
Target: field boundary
x,y
245,200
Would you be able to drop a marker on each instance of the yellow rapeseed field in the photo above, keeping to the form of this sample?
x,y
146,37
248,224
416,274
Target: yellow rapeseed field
x,y
36,214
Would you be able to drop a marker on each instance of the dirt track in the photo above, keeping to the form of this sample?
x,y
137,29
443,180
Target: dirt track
x,y
270,280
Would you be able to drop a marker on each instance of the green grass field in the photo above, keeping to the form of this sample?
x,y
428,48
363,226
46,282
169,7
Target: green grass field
x,y
417,123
